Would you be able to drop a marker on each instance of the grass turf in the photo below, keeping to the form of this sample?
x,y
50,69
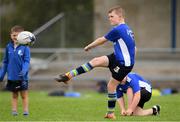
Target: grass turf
x,y
90,106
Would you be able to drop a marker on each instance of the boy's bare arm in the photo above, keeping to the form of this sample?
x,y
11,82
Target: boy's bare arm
x,y
134,103
97,42
122,105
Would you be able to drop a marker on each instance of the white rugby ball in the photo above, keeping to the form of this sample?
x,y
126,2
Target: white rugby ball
x,y
26,38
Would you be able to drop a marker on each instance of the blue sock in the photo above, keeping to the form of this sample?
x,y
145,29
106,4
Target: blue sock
x,y
81,69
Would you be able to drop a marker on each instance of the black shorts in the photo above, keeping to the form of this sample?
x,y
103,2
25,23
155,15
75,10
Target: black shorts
x,y
17,85
118,71
145,96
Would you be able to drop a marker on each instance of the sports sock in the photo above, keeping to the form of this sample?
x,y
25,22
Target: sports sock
x,y
111,102
80,70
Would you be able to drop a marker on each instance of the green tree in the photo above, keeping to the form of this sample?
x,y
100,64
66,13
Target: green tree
x,y
31,14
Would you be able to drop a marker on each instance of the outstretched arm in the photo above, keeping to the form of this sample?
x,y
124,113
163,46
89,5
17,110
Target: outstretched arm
x,y
97,42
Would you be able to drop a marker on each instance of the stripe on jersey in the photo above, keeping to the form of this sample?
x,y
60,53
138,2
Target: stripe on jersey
x,y
146,85
125,52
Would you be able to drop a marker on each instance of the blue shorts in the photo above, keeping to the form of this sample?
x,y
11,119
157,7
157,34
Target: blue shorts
x,y
118,71
17,85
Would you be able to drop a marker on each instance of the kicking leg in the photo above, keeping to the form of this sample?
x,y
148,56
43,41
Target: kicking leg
x,y
96,62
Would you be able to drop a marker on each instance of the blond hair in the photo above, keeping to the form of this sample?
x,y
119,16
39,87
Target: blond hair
x,y
118,10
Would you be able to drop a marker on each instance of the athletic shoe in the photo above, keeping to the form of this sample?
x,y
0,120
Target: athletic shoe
x,y
26,113
156,110
110,116
63,78
14,113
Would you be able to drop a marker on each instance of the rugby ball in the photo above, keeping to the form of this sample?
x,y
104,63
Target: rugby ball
x,y
26,38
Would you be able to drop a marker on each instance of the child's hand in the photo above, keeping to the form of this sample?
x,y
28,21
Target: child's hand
x,y
21,74
87,48
129,112
123,112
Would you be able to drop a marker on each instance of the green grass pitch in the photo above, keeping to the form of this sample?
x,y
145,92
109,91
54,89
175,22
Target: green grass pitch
x,y
90,106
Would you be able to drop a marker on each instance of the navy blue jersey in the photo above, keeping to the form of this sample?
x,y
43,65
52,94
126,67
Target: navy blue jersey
x,y
124,44
134,81
15,60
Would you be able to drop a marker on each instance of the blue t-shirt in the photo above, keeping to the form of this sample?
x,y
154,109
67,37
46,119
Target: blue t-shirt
x,y
134,81
15,60
124,44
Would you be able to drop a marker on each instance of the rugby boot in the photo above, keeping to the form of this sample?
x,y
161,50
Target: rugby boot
x,y
63,78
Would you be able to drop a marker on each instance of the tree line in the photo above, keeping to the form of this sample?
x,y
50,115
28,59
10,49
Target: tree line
x,y
31,14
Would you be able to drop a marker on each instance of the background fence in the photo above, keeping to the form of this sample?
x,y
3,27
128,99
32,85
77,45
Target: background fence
x,y
60,41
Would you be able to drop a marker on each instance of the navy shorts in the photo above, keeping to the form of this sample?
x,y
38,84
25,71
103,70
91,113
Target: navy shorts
x,y
145,96
118,71
17,85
